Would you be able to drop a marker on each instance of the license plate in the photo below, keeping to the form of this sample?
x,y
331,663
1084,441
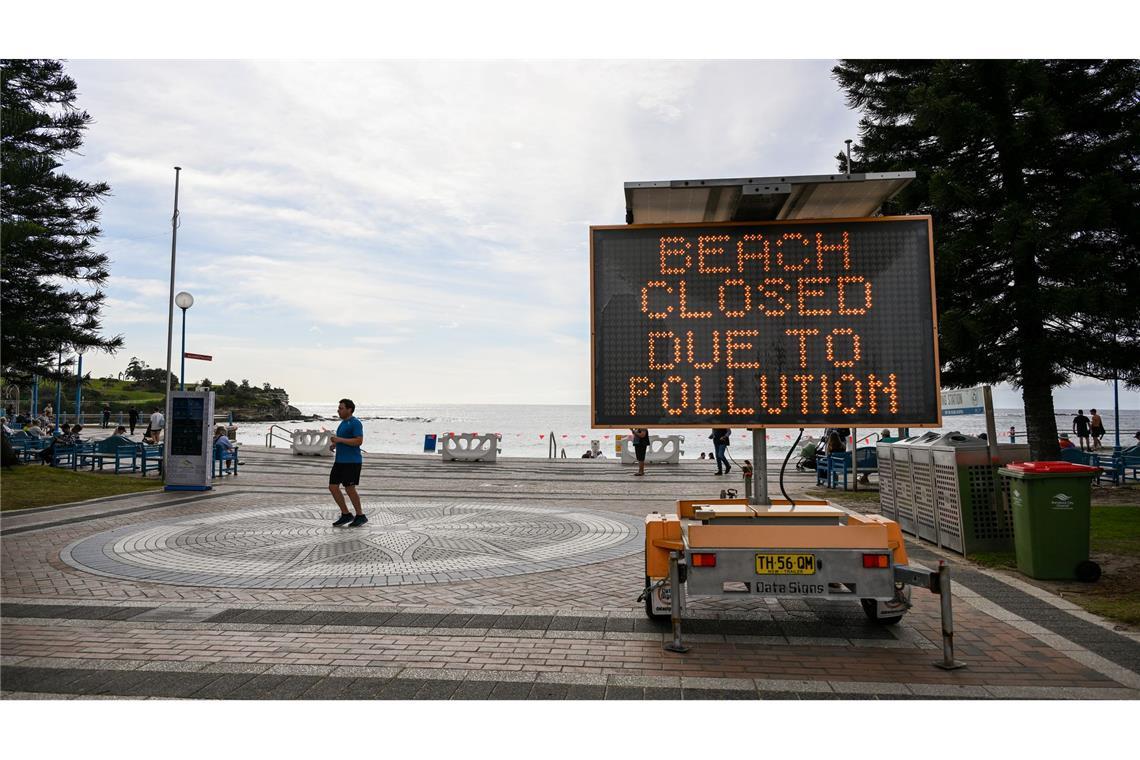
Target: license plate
x,y
785,564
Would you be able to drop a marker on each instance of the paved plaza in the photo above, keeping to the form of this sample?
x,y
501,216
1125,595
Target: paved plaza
x,y
517,579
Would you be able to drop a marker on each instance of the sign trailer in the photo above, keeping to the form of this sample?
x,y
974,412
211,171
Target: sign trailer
x,y
793,323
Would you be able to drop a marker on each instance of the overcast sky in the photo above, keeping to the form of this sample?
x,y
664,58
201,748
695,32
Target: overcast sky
x,y
404,231
408,231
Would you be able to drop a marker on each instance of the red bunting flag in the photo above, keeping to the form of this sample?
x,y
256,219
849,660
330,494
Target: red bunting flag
x,y
542,435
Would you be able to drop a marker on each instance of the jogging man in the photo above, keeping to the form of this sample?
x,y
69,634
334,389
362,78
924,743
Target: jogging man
x,y
346,468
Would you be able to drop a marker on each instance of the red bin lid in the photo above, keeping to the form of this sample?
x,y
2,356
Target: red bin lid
x,y
1051,468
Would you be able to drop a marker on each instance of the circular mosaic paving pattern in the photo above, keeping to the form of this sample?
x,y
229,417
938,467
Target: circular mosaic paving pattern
x,y
402,543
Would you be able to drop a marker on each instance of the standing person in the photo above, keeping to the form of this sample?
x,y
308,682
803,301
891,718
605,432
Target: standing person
x,y
640,444
720,438
1096,427
133,418
346,467
106,415
1081,428
157,423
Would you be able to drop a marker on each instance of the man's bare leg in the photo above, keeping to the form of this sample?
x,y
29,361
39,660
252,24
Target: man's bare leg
x,y
354,497
338,497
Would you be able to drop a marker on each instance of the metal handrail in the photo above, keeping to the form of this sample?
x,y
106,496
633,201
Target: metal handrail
x,y
270,436
551,447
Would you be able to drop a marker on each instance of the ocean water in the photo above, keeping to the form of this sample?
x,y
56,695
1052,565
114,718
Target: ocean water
x,y
527,429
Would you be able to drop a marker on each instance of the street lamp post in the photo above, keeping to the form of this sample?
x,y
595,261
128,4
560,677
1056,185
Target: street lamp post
x,y
79,385
184,301
58,389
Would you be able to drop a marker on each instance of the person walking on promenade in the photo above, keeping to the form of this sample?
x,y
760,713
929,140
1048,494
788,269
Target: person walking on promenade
x,y
1096,427
106,415
1081,428
640,444
157,423
346,466
720,438
133,418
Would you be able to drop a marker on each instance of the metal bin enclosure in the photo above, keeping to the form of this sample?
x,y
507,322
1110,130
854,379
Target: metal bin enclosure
x,y
971,517
922,476
886,482
901,475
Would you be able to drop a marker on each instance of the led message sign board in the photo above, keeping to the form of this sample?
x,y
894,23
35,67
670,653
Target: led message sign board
x,y
766,324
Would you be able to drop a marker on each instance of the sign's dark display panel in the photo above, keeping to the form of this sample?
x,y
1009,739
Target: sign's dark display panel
x,y
186,429
774,324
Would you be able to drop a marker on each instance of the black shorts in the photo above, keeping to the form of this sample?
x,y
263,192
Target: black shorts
x,y
639,452
345,474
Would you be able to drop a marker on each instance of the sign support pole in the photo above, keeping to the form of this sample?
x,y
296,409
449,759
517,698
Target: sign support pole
x,y
991,426
760,471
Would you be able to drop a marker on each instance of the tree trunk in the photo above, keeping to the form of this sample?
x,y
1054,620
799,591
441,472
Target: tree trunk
x,y
1036,371
1040,421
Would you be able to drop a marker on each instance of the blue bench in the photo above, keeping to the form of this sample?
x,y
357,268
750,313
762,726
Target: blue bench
x,y
151,453
1089,459
116,447
830,468
1122,467
30,448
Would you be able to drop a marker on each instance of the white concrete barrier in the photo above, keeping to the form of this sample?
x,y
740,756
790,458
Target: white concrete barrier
x,y
313,442
468,447
663,449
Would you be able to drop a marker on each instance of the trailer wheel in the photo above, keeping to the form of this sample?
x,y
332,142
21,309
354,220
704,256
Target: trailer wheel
x,y
870,609
649,613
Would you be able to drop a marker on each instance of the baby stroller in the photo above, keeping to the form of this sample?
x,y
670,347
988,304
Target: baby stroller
x,y
807,457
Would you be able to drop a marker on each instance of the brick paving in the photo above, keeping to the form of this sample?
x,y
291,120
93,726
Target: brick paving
x,y
567,633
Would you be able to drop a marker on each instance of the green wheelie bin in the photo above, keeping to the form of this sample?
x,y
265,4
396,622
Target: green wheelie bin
x,y
1050,502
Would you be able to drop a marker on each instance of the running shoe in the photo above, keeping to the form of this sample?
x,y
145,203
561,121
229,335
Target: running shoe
x,y
344,519
358,521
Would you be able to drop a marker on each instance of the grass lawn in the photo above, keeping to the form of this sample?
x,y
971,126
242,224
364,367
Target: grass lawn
x,y
34,485
1114,543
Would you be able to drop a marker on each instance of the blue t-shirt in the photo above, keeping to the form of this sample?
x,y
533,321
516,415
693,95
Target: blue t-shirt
x,y
350,428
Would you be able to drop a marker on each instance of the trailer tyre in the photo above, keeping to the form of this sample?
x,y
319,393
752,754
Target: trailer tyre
x,y
870,609
649,613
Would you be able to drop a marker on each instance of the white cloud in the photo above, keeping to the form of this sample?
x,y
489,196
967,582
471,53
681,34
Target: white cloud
x,y
402,206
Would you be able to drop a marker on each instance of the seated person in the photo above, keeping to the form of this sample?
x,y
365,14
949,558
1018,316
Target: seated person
x,y
835,444
120,437
63,438
588,455
220,439
75,431
702,455
4,423
34,430
149,437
